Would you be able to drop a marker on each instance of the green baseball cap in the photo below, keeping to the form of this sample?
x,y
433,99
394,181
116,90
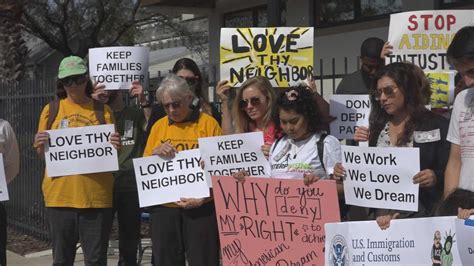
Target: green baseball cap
x,y
70,66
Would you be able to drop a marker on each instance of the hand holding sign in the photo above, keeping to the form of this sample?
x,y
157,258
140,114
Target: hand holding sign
x,y
190,203
361,134
41,138
426,178
165,150
115,140
222,90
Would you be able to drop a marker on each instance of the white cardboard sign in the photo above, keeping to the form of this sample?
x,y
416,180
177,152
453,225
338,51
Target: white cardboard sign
x,y
350,111
381,177
465,236
405,242
117,67
161,181
225,155
3,181
80,150
422,37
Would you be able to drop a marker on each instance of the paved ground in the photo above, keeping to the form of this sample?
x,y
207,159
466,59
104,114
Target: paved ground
x,y
45,258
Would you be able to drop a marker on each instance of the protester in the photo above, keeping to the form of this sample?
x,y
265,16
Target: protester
x,y
253,109
78,206
305,151
360,81
398,118
131,122
187,69
188,228
461,161
11,163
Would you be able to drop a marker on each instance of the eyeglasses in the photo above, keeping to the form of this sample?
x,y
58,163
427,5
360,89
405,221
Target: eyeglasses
x,y
191,80
389,91
175,105
254,101
77,79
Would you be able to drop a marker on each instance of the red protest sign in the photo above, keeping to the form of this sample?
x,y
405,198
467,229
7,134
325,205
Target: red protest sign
x,y
267,221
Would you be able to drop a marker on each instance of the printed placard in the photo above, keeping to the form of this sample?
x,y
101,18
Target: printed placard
x,y
3,181
421,241
381,177
161,180
267,221
465,236
350,111
226,155
422,37
442,88
117,67
80,150
284,55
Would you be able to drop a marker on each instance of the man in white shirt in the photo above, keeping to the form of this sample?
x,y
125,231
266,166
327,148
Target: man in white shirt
x,y
461,128
11,162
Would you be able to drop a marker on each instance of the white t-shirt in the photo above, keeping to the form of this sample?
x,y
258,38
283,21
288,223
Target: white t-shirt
x,y
461,132
292,159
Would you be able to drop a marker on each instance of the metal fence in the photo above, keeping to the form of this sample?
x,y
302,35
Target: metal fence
x,y
21,104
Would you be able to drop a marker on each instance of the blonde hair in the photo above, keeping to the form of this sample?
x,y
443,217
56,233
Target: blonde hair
x,y
241,120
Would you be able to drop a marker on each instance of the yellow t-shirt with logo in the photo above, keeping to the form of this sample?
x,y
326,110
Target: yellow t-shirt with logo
x,y
77,191
183,136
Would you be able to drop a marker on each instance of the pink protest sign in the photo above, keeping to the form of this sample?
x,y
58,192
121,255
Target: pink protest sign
x,y
268,221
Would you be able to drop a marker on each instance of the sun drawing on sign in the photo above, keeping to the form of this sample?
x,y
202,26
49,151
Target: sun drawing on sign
x,y
267,54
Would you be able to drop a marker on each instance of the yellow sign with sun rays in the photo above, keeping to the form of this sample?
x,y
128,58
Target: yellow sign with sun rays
x,y
442,88
284,55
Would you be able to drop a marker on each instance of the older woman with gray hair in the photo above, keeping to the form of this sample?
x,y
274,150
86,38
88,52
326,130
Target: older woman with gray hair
x,y
186,229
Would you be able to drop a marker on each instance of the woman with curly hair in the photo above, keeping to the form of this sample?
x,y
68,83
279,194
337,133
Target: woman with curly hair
x,y
296,154
399,118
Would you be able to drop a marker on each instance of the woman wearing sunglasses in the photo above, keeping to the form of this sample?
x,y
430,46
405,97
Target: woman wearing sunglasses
x,y
296,154
253,109
187,69
186,229
78,206
398,118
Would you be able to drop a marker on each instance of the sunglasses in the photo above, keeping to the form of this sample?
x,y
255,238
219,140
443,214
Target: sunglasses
x,y
77,79
175,105
389,91
191,81
254,101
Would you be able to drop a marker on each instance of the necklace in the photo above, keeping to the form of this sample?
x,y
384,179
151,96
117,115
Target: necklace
x,y
294,146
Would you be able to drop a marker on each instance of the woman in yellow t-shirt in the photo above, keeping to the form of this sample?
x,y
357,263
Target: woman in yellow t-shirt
x,y
78,206
186,229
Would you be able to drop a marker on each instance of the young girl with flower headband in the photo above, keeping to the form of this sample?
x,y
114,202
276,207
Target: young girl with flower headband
x,y
295,155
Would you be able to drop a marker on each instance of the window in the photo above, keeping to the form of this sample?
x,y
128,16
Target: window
x,y
336,12
446,4
254,17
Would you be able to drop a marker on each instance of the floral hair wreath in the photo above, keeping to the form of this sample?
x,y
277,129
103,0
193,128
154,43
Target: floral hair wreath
x,y
292,95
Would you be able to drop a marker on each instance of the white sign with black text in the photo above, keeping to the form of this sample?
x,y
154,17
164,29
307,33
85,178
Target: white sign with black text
x,y
381,177
80,150
421,241
161,180
117,67
226,155
350,111
3,181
